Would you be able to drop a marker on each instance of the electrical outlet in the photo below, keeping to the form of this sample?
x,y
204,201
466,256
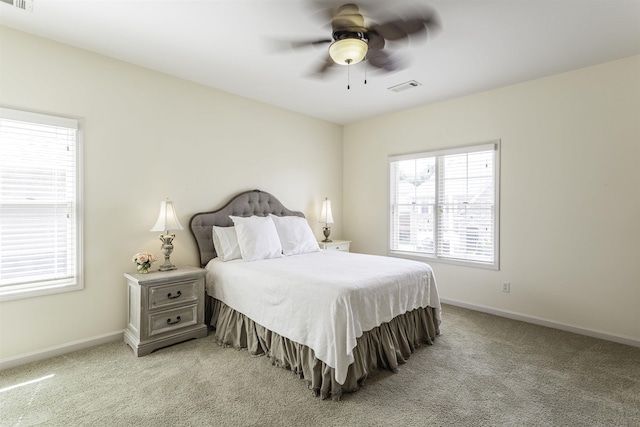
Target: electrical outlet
x,y
506,287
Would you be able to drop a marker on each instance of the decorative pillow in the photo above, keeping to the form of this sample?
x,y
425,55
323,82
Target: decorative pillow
x,y
295,235
257,237
225,242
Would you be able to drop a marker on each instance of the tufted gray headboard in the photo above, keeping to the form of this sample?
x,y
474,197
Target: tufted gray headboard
x,y
254,202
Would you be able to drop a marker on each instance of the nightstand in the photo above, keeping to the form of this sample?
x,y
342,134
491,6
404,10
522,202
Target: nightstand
x,y
336,245
165,307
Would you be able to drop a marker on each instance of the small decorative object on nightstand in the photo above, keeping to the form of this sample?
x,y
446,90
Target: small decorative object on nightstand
x,y
143,261
165,307
336,245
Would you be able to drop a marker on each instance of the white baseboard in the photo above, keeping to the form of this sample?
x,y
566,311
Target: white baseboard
x,y
621,339
22,359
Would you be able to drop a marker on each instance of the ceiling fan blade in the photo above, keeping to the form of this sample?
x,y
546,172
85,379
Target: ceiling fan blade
x,y
323,67
321,11
432,22
279,46
380,59
375,41
401,28
306,43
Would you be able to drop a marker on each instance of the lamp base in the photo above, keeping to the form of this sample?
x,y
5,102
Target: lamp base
x,y
167,267
167,248
326,231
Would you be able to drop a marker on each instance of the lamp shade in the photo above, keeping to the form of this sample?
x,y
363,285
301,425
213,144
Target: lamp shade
x,y
167,219
325,215
348,51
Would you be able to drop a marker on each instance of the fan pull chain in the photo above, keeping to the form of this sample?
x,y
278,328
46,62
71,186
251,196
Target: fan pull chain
x,y
348,74
365,70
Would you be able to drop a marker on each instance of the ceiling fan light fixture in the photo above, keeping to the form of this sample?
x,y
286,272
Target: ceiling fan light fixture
x,y
348,51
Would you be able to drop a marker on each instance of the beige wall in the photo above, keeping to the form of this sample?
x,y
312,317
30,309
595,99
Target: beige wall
x,y
148,136
570,182
570,193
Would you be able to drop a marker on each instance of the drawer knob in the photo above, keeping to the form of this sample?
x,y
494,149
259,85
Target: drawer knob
x,y
170,322
172,296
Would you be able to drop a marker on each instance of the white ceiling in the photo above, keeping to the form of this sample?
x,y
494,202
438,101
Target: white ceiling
x,y
231,45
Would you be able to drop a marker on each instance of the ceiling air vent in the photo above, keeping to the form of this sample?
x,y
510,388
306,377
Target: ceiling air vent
x,y
20,4
411,84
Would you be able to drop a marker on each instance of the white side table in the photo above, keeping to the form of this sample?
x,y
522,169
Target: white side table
x,y
165,308
336,245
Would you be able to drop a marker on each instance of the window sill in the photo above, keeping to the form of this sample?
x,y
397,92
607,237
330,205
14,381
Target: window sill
x,y
14,294
432,259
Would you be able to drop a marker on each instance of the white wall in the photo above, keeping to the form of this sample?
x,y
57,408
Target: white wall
x,y
148,136
570,196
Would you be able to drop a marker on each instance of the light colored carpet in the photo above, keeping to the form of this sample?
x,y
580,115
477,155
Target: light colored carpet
x,y
483,371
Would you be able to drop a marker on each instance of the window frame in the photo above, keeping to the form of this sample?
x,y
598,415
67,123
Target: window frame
x,y
47,287
421,256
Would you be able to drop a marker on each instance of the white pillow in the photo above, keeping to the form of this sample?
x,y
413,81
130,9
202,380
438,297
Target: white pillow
x,y
295,235
257,237
225,242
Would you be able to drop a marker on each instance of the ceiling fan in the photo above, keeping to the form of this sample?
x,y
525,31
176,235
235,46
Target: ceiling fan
x,y
355,39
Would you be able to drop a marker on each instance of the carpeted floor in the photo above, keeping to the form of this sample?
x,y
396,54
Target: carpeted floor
x,y
483,371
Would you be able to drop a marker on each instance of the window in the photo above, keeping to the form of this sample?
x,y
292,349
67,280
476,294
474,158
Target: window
x,y
40,216
444,205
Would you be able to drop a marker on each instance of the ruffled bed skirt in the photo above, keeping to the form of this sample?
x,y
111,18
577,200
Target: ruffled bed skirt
x,y
384,347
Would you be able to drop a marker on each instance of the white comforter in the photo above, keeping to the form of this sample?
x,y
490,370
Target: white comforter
x,y
324,300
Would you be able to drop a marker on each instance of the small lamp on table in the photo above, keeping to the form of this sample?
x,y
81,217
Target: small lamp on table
x,y
167,221
327,218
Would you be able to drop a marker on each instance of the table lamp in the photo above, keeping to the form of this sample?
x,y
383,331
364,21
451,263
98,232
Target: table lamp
x,y
167,221
327,217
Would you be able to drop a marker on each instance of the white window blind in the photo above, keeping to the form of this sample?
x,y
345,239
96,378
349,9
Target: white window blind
x,y
40,221
443,204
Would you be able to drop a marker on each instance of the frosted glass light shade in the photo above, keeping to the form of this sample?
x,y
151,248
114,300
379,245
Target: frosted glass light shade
x,y
348,51
167,219
325,215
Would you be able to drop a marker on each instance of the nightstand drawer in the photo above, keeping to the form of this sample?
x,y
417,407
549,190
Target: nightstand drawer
x,y
336,245
339,247
169,320
174,293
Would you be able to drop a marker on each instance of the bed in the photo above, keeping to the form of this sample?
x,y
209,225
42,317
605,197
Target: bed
x,y
331,317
